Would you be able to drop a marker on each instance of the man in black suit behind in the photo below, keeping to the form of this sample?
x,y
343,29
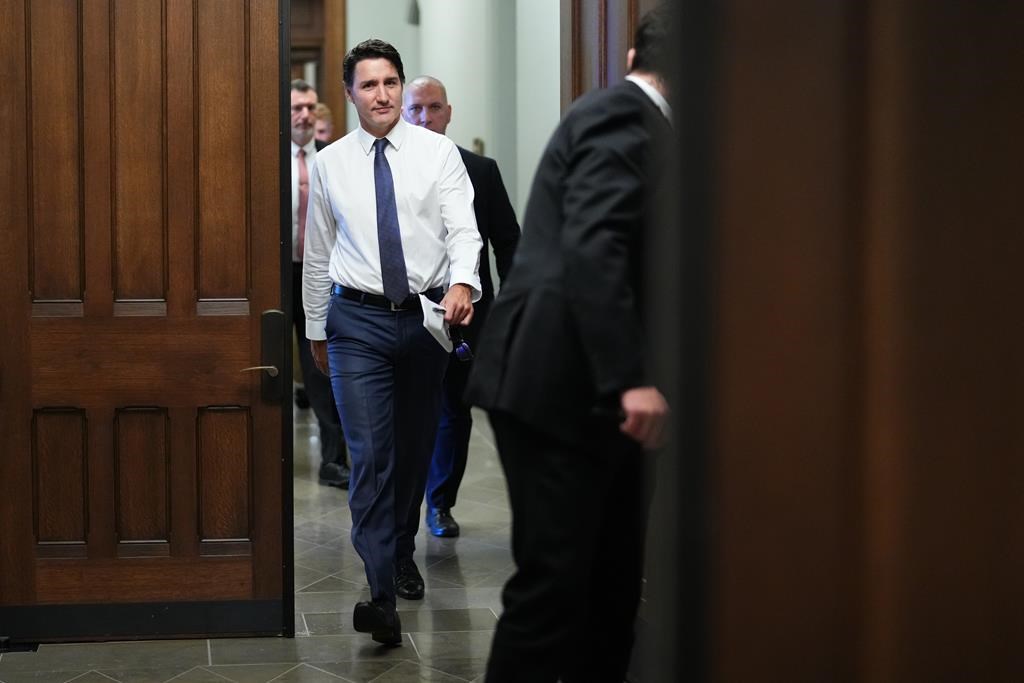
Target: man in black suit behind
x,y
561,370
425,103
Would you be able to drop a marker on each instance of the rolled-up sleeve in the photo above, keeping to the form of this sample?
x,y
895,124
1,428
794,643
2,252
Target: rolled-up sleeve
x,y
462,242
321,233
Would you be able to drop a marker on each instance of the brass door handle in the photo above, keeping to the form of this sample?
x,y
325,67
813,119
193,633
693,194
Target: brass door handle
x,y
271,369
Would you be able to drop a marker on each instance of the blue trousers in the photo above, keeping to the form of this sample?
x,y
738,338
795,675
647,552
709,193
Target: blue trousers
x,y
386,371
451,449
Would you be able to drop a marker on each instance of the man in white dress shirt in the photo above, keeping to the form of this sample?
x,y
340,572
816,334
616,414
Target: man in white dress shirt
x,y
390,218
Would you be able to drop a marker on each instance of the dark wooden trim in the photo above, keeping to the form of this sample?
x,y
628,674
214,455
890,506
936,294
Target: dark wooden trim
x,y
57,309
691,359
285,259
140,308
222,307
632,19
332,89
144,620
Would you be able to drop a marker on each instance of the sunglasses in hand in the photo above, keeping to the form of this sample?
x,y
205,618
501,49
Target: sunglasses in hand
x,y
462,350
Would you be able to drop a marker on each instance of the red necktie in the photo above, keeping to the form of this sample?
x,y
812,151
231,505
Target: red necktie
x,y
303,199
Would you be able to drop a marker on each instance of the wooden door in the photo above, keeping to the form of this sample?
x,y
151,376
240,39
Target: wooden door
x,y
140,243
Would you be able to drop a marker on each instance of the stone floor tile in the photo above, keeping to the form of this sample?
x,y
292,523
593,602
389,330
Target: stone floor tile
x,y
250,673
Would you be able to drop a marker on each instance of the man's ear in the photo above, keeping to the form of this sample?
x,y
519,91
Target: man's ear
x,y
348,94
630,54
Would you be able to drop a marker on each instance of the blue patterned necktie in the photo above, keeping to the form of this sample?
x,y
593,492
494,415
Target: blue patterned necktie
x,y
392,260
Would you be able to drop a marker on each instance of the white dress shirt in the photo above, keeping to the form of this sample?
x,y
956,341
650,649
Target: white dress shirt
x,y
653,93
310,148
440,240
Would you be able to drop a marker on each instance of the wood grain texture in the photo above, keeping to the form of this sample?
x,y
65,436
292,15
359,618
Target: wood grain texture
x,y
223,451
265,171
144,580
60,475
156,362
55,143
158,123
222,150
138,145
142,455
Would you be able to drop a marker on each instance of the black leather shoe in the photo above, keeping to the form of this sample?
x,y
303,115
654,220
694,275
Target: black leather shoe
x,y
441,523
333,474
408,582
380,620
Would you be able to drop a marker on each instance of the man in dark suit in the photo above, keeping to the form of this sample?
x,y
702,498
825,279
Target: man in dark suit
x,y
425,103
561,370
334,470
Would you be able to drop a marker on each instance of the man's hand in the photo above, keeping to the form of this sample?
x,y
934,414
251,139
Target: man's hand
x,y
458,305
646,411
319,349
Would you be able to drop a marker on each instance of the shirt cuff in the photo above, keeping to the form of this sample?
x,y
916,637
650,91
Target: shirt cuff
x,y
316,330
471,280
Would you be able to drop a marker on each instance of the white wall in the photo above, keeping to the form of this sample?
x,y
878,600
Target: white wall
x,y
538,101
499,60
389,21
470,46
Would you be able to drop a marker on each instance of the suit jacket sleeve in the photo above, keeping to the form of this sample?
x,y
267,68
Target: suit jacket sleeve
x,y
603,208
503,229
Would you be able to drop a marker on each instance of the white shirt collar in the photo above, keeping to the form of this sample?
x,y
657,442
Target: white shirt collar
x,y
396,136
310,147
653,93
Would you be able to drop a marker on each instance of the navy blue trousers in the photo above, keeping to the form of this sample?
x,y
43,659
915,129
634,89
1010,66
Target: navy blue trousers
x,y
451,449
386,371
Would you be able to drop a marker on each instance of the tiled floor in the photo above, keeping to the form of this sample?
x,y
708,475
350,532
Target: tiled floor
x,y
446,636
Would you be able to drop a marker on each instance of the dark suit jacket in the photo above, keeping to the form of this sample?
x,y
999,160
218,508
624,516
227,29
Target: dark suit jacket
x,y
565,336
497,223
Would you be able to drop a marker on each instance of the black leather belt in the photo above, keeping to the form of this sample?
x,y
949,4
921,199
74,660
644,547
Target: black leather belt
x,y
412,302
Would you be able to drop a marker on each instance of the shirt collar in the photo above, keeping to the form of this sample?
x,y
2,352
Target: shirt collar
x,y
310,147
396,136
652,93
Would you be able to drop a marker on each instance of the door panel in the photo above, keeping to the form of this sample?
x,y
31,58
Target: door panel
x,y
140,240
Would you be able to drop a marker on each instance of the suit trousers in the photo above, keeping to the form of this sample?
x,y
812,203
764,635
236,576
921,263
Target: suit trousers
x,y
451,448
317,384
579,515
386,370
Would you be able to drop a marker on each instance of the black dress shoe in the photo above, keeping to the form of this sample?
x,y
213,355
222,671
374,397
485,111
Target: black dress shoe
x,y
334,474
408,582
441,523
380,620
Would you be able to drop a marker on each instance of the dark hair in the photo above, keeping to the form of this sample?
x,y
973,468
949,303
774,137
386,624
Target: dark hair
x,y
371,49
301,85
651,42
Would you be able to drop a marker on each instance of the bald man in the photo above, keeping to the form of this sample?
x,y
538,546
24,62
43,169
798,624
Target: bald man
x,y
425,103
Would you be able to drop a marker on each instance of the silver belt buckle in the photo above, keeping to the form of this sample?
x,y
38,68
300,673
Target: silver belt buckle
x,y
395,307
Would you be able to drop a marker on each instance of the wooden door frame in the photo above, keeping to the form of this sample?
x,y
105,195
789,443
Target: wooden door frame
x,y
287,421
